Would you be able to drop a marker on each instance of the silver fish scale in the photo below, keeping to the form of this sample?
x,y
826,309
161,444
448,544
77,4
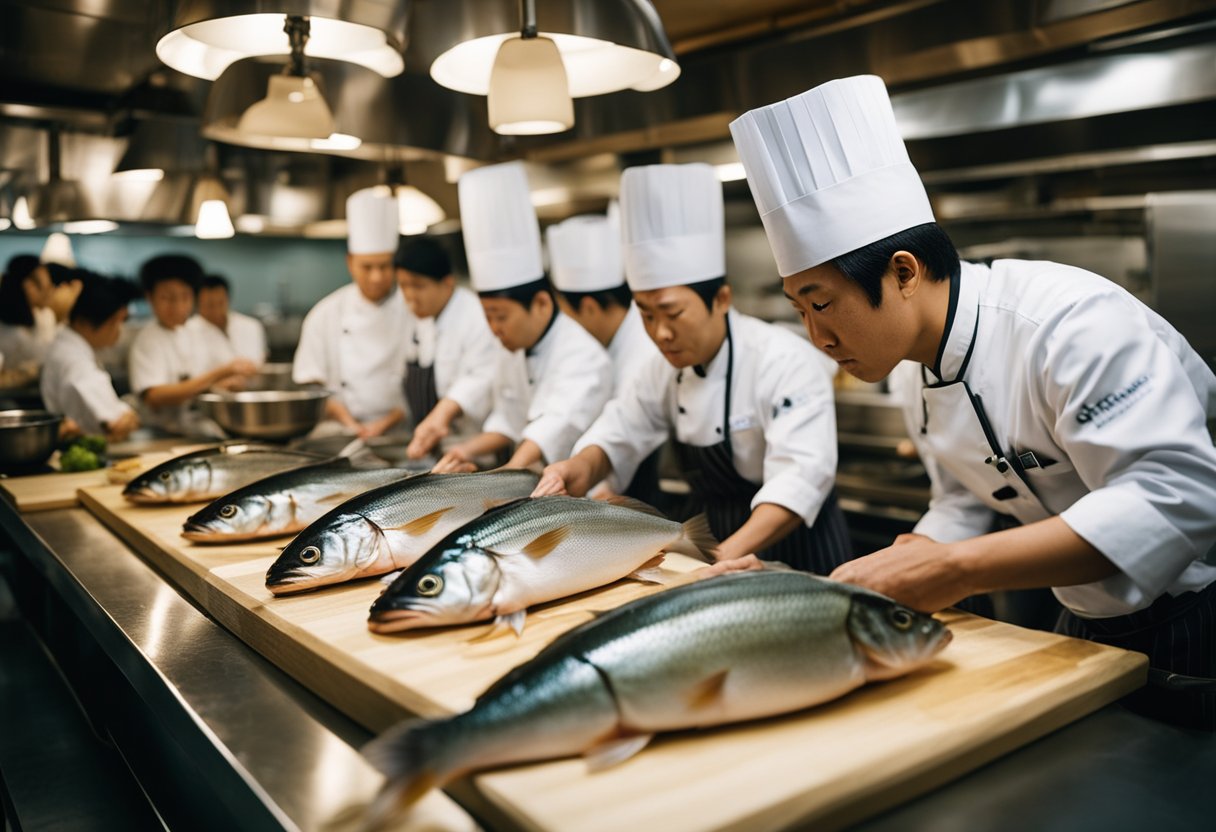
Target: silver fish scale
x,y
398,503
514,528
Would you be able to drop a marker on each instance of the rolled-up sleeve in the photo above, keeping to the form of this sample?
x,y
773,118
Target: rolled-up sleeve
x,y
570,397
90,391
473,387
634,423
149,363
1134,427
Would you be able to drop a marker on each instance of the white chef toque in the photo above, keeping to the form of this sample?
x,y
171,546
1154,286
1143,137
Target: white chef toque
x,y
829,172
371,222
501,234
585,254
671,226
58,249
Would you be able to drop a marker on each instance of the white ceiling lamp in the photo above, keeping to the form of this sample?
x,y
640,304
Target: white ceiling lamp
x,y
529,91
416,211
605,45
89,227
208,36
22,219
212,221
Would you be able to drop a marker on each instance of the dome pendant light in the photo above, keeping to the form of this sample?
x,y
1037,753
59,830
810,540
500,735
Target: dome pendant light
x,y
529,89
294,107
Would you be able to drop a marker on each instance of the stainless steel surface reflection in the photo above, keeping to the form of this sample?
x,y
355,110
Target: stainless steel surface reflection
x,y
278,755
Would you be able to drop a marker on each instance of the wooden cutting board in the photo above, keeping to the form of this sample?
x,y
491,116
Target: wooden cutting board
x,y
995,687
43,492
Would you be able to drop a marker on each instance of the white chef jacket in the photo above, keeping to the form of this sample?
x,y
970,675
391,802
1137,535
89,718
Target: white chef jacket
x,y
166,356
75,385
355,348
25,345
552,392
782,416
212,340
630,348
459,344
1074,370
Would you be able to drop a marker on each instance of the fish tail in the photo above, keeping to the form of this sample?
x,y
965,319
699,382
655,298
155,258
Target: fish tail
x,y
698,540
409,757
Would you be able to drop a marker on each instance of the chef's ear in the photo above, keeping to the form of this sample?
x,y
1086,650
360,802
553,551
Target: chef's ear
x,y
723,297
909,272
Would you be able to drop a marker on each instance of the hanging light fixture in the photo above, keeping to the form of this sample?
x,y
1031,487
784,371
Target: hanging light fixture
x,y
202,43
294,107
416,212
57,199
156,147
605,45
22,219
212,220
529,92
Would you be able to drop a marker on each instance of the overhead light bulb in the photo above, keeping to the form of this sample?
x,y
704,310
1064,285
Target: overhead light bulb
x,y
21,214
416,211
336,141
5,223
730,172
293,108
529,91
214,222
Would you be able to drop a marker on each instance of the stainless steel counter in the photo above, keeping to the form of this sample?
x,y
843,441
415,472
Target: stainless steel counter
x,y
219,738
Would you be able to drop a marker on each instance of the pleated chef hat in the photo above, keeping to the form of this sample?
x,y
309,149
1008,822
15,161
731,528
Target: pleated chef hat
x,y
671,226
58,249
585,254
829,172
501,234
371,222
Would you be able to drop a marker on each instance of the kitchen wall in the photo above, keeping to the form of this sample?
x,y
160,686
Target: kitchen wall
x,y
268,275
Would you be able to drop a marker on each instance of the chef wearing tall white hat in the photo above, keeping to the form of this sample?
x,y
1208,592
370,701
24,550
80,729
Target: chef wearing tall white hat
x,y
555,378
351,341
1047,395
747,404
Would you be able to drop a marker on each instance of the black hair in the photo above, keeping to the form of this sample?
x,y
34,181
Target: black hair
x,y
170,267
424,256
14,307
21,266
61,274
523,295
617,296
929,243
101,297
216,281
708,290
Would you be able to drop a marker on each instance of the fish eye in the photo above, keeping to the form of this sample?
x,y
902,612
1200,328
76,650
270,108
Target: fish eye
x,y
430,585
901,618
165,475
310,554
228,511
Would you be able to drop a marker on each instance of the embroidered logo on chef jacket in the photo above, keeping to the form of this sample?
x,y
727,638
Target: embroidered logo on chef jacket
x,y
788,403
743,421
1106,409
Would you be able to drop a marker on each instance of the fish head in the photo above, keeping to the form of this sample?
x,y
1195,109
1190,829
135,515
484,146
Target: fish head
x,y
450,585
892,638
165,483
332,550
231,516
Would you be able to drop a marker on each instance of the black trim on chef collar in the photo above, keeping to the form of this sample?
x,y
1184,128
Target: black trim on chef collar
x,y
950,312
530,351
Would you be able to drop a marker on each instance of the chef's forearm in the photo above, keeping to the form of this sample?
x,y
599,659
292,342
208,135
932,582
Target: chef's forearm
x,y
528,453
444,412
485,443
337,411
769,524
1043,554
171,395
595,465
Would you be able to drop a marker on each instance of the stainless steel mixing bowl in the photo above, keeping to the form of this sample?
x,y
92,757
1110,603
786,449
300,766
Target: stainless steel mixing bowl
x,y
273,376
27,437
266,414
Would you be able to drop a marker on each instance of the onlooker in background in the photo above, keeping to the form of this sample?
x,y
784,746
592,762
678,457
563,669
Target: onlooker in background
x,y
25,289
169,366
60,263
244,335
73,381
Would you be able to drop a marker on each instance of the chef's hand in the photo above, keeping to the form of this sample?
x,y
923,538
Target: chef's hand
x,y
915,570
241,367
570,476
747,563
376,427
68,429
427,435
121,428
455,461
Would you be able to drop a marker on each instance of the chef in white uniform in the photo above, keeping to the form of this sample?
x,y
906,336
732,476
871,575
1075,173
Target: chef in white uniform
x,y
169,366
555,378
1047,395
352,340
586,267
235,334
73,381
450,352
748,405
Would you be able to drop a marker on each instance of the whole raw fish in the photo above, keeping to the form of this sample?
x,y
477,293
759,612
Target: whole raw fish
x,y
207,474
727,649
529,552
390,527
283,503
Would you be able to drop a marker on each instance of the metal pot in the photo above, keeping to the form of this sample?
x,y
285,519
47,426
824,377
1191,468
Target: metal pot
x,y
276,376
266,414
27,437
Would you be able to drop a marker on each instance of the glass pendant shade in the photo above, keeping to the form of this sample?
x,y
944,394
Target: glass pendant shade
x,y
293,108
416,211
529,90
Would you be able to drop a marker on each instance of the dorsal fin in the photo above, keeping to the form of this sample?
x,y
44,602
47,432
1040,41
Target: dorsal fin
x,y
636,505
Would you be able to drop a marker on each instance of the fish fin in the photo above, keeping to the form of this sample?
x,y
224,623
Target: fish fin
x,y
706,692
650,572
515,621
547,542
492,503
698,540
404,755
423,524
636,505
615,751
390,577
502,625
336,498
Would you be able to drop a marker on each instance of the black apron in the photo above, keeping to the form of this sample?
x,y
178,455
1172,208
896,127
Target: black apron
x,y
420,393
726,499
